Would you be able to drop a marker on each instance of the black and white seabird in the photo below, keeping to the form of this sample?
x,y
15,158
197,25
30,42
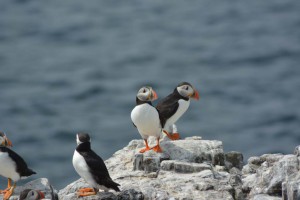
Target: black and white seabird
x,y
30,194
172,107
91,167
12,166
145,117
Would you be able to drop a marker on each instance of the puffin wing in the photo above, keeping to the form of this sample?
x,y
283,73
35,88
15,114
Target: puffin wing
x,y
99,171
21,166
167,107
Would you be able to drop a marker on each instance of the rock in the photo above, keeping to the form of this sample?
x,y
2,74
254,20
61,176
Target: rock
x,y
297,151
265,197
149,161
196,169
41,184
183,167
291,188
130,194
180,172
234,159
271,171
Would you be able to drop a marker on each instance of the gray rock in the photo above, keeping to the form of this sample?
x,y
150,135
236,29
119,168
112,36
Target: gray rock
x,y
196,169
265,197
234,159
184,167
270,172
297,151
131,194
149,161
197,151
291,188
180,172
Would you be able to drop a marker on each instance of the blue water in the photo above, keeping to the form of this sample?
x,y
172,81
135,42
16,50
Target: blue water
x,y
73,65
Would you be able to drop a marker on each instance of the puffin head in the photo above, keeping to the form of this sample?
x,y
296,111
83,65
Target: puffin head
x,y
185,89
82,137
146,93
4,141
29,194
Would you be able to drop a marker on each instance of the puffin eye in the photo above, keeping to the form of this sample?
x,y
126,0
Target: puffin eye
x,y
32,193
187,88
144,91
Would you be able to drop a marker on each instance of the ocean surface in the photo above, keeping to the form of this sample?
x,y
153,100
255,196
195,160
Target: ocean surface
x,y
70,66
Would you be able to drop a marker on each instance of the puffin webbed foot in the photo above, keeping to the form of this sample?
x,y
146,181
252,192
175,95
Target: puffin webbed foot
x,y
4,191
157,149
174,136
9,192
145,149
83,192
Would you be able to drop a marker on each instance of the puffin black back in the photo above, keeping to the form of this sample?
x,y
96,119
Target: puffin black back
x,y
21,165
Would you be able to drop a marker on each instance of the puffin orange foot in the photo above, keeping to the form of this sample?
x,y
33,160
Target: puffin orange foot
x,y
4,191
174,136
145,149
8,193
86,192
157,149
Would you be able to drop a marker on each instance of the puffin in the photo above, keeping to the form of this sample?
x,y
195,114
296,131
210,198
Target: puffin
x,y
30,194
173,106
91,168
145,117
12,166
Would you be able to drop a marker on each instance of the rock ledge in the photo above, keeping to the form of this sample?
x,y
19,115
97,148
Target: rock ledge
x,y
191,168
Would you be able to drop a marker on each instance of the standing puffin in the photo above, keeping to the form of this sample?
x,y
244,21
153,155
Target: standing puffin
x,y
172,107
12,166
145,117
91,167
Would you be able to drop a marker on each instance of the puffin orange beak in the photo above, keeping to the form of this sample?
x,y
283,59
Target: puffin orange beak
x,y
8,142
196,95
41,194
154,95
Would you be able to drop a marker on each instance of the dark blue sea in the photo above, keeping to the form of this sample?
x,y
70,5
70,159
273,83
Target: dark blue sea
x,y
70,66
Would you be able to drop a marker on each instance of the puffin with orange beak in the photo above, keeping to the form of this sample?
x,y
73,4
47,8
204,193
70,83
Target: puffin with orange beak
x,y
172,107
146,118
29,194
4,141
12,166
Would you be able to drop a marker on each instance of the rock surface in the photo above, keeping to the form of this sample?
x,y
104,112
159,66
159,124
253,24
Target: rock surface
x,y
191,169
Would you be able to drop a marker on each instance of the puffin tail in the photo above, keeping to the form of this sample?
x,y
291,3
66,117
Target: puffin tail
x,y
114,185
29,172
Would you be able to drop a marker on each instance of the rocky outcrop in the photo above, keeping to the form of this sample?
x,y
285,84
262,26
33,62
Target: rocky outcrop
x,y
188,169
192,168
272,174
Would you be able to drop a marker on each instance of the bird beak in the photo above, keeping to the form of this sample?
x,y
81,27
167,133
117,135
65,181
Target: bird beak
x,y
153,95
7,142
41,194
195,95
